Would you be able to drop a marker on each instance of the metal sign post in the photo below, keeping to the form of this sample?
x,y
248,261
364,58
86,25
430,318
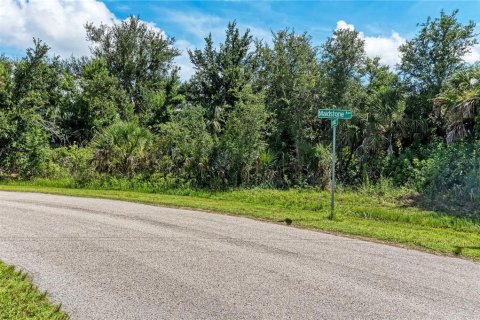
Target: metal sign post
x,y
334,115
334,123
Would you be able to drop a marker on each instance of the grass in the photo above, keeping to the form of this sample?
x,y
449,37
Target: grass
x,y
381,216
20,299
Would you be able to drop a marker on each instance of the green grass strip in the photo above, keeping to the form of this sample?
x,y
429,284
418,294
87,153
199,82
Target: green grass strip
x,y
20,299
382,218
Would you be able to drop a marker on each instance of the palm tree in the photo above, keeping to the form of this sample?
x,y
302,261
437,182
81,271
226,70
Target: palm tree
x,y
122,147
458,104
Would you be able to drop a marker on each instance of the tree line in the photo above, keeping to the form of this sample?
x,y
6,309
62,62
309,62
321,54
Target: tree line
x,y
247,116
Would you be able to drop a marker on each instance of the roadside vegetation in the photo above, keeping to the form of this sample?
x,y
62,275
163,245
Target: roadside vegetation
x,y
247,117
20,299
122,124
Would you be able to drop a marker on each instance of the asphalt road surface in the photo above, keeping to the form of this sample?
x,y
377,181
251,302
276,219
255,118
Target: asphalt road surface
x,y
107,259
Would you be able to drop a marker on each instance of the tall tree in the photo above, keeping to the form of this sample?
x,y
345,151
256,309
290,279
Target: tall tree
x,y
383,107
6,83
185,146
31,96
38,88
97,103
437,51
242,140
428,61
291,76
141,57
221,74
380,120
459,104
342,60
163,103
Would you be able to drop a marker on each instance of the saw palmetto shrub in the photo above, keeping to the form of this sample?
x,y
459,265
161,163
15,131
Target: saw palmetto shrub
x,y
451,176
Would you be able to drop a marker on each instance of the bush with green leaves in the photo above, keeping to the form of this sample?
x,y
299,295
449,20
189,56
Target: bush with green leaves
x,y
6,83
185,146
247,116
405,168
24,148
122,149
241,141
75,162
452,175
98,102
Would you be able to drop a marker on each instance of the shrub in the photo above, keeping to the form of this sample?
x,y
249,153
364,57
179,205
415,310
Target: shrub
x,y
122,149
24,146
452,175
74,162
185,146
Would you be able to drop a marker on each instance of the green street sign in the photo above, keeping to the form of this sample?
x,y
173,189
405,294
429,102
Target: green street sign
x,y
334,114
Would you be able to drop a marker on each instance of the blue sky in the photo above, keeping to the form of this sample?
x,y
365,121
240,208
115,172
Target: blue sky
x,y
316,17
383,24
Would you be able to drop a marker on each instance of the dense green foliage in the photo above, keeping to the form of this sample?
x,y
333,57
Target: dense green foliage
x,y
247,117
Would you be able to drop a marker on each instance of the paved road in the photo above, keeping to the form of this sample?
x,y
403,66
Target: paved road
x,y
115,260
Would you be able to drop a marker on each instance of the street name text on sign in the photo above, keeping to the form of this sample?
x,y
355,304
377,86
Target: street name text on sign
x,y
334,115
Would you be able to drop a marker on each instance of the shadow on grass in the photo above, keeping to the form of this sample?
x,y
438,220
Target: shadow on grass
x,y
459,250
443,205
303,221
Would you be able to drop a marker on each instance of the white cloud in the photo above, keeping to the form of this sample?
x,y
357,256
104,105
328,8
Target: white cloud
x,y
198,24
60,23
341,24
474,55
386,48
259,33
183,61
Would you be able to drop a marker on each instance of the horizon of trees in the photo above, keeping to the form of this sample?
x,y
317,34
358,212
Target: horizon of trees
x,y
247,117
